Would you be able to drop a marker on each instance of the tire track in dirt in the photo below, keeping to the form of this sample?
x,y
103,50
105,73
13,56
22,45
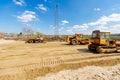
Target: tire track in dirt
x,y
30,71
57,60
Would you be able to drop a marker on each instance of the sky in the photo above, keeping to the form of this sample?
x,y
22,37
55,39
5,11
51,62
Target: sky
x,y
74,16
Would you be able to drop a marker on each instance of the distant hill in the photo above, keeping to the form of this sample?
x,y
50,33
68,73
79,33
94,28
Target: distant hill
x,y
116,34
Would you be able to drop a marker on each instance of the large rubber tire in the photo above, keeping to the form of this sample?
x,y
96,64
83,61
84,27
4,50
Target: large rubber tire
x,y
89,47
37,41
78,42
99,49
30,41
73,42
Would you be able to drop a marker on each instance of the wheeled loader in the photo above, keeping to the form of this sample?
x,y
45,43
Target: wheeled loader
x,y
77,39
35,40
102,43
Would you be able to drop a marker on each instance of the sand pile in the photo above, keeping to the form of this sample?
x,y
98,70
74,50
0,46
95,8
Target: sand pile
x,y
86,73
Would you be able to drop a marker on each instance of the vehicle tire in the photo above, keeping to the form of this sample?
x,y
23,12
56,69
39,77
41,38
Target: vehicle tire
x,y
99,49
78,42
37,41
89,47
73,42
30,41
40,41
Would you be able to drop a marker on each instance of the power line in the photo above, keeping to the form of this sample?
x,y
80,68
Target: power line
x,y
56,22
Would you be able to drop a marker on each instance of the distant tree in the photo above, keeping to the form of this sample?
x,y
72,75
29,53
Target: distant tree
x,y
12,35
28,31
39,34
20,34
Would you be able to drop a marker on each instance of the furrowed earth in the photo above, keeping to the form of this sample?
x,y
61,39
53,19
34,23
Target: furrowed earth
x,y
49,61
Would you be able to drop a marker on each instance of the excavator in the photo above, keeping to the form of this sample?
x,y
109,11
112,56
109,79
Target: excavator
x,y
77,39
102,43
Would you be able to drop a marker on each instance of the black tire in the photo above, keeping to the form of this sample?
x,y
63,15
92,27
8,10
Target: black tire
x,y
99,49
37,41
78,42
89,47
73,42
30,41
40,41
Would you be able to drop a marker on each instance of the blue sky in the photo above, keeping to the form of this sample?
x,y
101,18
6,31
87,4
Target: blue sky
x,y
75,16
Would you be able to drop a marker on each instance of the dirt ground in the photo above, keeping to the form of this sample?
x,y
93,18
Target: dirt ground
x,y
23,61
86,73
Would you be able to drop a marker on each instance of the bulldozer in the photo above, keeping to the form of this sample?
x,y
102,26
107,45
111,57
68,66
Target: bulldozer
x,y
77,39
102,43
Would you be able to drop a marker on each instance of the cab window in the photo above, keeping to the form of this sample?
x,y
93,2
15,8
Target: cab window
x,y
107,36
102,36
94,35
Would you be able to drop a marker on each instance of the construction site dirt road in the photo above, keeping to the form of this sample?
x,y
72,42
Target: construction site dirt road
x,y
23,61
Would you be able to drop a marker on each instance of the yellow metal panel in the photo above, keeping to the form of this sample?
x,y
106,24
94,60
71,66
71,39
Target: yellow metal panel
x,y
103,41
77,37
96,41
68,39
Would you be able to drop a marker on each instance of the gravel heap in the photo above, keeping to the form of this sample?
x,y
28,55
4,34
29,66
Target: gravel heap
x,y
86,73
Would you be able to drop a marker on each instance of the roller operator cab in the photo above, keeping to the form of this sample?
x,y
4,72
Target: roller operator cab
x,y
101,42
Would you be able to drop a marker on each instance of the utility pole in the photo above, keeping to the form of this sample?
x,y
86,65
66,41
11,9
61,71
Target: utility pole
x,y
56,24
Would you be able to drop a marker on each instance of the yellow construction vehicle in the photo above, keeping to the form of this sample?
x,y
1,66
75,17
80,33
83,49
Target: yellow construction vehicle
x,y
101,42
77,39
35,40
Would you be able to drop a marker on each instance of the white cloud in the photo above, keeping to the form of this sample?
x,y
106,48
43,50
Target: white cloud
x,y
19,2
27,16
104,23
70,31
52,27
28,25
102,28
61,29
77,29
111,28
64,22
81,27
115,28
97,9
41,7
105,19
